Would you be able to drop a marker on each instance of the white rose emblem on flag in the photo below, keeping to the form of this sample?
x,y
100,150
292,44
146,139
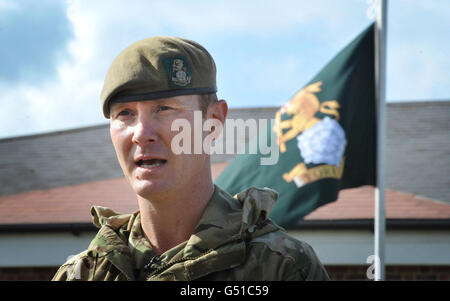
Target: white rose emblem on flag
x,y
323,143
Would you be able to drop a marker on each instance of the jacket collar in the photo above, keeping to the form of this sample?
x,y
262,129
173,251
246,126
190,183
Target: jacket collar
x,y
110,239
108,244
219,224
219,240
227,219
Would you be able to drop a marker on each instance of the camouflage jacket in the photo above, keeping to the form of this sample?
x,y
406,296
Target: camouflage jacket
x,y
234,240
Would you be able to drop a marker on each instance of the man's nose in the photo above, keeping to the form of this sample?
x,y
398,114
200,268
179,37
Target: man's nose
x,y
145,131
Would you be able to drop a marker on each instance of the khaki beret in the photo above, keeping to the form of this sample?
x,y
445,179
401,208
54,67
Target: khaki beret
x,y
158,67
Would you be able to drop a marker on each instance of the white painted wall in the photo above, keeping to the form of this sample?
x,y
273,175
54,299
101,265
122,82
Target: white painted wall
x,y
333,247
352,247
40,249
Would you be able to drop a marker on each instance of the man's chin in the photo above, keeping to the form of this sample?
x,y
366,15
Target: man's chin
x,y
150,189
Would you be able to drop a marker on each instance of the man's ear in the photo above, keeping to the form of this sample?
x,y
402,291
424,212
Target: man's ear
x,y
217,112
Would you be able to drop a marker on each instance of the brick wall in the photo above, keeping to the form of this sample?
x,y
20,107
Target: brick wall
x,y
393,273
35,273
339,273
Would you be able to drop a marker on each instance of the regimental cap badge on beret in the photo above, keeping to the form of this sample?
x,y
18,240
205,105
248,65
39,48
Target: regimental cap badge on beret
x,y
178,72
159,67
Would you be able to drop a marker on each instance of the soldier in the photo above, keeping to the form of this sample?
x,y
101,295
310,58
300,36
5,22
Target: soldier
x,y
186,228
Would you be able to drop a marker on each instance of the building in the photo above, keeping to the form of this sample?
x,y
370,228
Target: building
x,y
50,181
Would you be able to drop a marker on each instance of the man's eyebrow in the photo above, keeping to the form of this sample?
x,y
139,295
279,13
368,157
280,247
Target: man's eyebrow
x,y
166,101
116,105
169,101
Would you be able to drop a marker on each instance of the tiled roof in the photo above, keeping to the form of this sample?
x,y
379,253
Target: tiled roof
x,y
358,203
71,204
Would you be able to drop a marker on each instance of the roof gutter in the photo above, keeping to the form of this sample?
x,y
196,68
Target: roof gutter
x,y
368,224
75,228
353,224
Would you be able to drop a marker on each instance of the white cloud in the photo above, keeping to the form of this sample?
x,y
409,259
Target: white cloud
x,y
255,17
217,17
8,5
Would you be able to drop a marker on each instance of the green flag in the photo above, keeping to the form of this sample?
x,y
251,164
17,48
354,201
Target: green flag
x,y
326,136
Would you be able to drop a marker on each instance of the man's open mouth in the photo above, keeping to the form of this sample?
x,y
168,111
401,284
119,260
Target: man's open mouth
x,y
151,163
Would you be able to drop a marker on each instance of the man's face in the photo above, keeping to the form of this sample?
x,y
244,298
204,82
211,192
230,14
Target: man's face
x,y
141,134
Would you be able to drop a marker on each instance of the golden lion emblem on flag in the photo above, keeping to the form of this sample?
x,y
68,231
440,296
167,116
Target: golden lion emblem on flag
x,y
320,141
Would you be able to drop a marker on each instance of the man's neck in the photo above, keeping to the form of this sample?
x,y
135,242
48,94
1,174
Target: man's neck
x,y
170,221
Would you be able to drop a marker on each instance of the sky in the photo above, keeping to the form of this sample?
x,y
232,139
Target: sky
x,y
54,54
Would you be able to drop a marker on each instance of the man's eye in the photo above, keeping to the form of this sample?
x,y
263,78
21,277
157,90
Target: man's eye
x,y
164,108
123,113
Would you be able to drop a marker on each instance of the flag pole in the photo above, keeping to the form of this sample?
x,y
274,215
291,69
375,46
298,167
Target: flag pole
x,y
380,93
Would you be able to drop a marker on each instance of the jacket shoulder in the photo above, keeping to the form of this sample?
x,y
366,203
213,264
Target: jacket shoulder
x,y
75,268
287,257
